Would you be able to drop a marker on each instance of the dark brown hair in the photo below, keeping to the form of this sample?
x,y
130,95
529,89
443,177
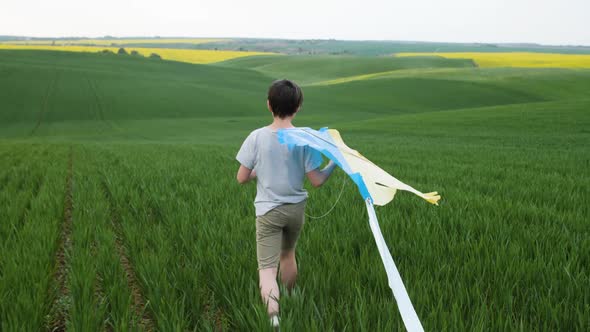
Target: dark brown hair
x,y
285,97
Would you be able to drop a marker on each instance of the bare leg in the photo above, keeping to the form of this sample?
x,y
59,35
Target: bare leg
x,y
269,289
288,268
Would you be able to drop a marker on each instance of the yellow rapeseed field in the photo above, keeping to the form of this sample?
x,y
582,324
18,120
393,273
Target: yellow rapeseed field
x,y
108,42
182,55
517,59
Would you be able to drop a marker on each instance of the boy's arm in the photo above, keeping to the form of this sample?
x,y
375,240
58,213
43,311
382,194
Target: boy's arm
x,y
245,174
247,159
318,177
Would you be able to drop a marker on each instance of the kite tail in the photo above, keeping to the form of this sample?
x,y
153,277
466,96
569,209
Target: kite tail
x,y
406,309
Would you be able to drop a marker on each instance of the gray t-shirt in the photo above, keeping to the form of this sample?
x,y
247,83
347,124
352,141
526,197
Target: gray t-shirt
x,y
280,170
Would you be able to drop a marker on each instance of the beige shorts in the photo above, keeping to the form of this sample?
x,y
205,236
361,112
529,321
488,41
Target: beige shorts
x,y
276,231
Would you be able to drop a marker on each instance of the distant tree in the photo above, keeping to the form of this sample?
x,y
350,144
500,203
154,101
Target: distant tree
x,y
122,51
106,52
155,56
135,53
53,43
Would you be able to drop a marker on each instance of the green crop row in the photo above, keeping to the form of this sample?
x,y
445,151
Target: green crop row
x,y
193,249
33,201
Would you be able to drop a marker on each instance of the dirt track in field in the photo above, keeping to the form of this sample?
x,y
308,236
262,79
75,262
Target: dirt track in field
x,y
45,104
142,312
62,298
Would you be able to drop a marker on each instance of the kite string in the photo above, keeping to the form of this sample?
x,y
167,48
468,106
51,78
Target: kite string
x,y
333,206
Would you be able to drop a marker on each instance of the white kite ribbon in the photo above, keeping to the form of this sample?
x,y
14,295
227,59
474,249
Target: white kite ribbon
x,y
406,309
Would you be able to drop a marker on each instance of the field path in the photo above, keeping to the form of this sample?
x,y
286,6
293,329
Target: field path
x,y
61,301
100,112
45,104
146,323
99,107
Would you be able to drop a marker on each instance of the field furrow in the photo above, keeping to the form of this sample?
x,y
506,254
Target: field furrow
x,y
62,300
98,103
51,87
139,304
142,252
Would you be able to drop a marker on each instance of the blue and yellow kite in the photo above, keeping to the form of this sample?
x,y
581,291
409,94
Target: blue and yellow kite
x,y
377,188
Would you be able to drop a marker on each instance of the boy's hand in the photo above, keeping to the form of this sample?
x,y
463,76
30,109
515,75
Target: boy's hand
x,y
318,177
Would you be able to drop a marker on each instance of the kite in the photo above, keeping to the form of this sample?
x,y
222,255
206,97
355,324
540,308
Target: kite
x,y
376,186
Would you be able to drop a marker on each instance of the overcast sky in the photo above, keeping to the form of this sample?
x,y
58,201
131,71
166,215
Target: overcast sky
x,y
539,21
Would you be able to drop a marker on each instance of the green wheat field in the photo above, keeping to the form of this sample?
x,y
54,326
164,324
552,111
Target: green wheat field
x,y
119,208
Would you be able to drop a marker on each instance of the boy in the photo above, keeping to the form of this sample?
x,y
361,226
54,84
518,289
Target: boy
x,y
280,199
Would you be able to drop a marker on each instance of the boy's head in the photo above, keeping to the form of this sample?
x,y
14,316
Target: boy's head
x,y
284,98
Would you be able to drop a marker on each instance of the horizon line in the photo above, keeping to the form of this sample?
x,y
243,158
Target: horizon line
x,y
302,39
